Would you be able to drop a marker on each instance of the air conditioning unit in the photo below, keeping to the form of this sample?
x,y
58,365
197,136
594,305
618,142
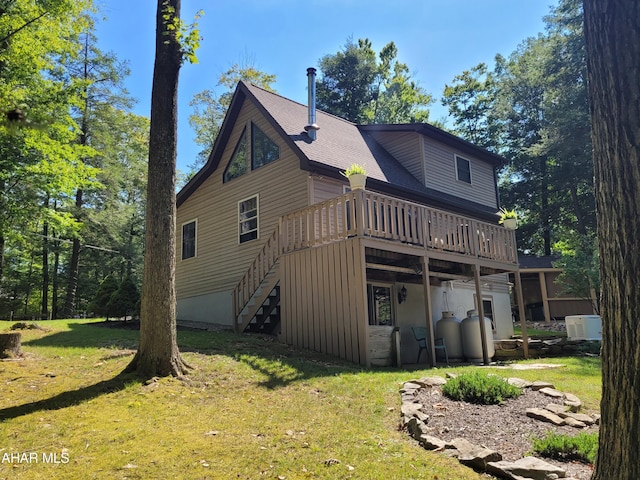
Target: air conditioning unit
x,y
583,327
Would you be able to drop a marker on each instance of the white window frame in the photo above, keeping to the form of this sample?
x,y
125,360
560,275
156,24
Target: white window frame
x,y
257,217
488,298
392,296
459,157
195,239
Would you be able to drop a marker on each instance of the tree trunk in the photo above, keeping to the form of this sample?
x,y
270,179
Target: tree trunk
x,y
613,60
55,283
544,205
44,309
158,350
74,268
10,346
577,210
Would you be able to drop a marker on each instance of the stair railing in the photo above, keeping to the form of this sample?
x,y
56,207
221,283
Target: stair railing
x,y
255,274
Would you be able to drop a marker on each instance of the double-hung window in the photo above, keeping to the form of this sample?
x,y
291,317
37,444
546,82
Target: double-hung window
x,y
188,240
248,219
463,169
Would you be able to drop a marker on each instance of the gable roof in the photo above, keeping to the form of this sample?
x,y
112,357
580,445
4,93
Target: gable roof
x,y
339,144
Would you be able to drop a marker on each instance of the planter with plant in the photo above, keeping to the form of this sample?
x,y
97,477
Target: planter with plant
x,y
508,218
357,176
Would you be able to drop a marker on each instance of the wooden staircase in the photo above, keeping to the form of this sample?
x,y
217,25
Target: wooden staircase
x,y
267,320
257,295
262,312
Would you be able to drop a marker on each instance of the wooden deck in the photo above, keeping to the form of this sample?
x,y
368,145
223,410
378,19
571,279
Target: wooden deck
x,y
389,222
370,215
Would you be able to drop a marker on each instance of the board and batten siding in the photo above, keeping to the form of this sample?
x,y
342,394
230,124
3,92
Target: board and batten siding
x,y
323,300
204,282
440,167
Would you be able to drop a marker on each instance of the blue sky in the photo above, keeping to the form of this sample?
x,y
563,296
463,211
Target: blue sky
x,y
437,39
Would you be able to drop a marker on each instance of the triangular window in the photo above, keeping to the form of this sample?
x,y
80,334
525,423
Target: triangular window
x,y
264,149
238,164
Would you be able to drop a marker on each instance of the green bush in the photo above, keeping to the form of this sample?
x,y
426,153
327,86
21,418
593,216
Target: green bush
x,y
479,388
582,448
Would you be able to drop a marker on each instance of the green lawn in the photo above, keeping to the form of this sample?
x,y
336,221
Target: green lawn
x,y
253,408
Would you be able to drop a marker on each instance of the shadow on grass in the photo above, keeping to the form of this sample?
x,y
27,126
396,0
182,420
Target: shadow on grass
x,y
88,335
281,364
71,398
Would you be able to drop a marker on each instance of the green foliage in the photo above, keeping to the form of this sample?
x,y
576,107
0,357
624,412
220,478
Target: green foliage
x,y
506,213
470,100
479,388
187,36
580,266
532,109
210,108
125,301
354,169
582,447
66,142
355,85
100,302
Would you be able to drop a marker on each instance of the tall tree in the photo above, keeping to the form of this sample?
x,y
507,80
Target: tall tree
x,y
36,159
101,76
158,352
362,88
471,99
210,108
613,61
532,108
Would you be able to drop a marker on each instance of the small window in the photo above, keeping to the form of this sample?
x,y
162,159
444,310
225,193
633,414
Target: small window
x,y
264,150
248,219
487,306
238,164
189,240
463,169
380,305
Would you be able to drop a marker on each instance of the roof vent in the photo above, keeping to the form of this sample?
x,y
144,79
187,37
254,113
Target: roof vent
x,y
312,128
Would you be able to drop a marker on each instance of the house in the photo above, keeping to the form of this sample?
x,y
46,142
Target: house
x,y
273,240
542,295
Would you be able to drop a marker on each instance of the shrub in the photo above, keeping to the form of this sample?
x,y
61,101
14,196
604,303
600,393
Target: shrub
x,y
582,447
479,388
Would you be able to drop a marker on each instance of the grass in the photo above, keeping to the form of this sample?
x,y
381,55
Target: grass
x,y
253,408
537,333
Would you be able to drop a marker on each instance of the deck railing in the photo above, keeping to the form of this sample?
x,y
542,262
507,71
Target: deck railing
x,y
363,213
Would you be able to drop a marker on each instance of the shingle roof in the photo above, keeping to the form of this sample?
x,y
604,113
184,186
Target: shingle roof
x,y
535,263
339,144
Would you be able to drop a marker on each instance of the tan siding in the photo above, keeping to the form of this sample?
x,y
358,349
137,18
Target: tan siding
x,y
406,148
220,261
323,189
323,296
441,174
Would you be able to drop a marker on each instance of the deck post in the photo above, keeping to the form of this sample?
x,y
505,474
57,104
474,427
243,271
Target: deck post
x,y
523,320
426,285
545,296
480,308
360,212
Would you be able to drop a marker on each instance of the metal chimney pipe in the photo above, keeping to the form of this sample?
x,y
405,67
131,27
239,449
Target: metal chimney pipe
x,y
312,128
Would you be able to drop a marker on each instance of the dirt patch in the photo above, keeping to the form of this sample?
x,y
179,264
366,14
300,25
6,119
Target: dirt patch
x,y
504,428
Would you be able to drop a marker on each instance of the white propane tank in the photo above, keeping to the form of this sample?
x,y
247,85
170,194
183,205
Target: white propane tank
x,y
448,327
472,339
